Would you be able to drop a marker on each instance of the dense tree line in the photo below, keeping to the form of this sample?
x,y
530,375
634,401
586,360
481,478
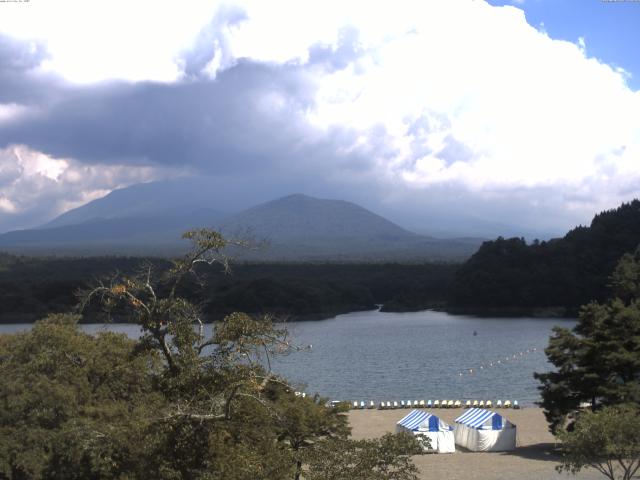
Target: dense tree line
x,y
510,275
32,287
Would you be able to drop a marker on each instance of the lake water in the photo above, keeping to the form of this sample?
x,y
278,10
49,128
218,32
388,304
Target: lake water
x,y
420,355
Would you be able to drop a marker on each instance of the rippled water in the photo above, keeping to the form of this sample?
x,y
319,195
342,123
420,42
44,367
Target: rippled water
x,y
419,355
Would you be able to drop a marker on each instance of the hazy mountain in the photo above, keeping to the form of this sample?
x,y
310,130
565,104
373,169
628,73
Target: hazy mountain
x,y
306,228
155,199
296,227
112,234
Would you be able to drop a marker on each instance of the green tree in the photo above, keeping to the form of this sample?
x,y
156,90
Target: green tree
x,y
599,360
385,458
74,406
607,441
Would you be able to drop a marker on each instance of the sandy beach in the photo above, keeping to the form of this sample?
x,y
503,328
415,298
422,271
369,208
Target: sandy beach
x,y
533,459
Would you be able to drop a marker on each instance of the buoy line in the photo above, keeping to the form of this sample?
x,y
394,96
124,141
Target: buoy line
x,y
498,362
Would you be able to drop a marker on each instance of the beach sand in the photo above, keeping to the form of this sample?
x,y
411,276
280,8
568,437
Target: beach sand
x,y
533,459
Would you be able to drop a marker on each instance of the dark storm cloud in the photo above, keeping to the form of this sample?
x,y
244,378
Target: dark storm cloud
x,y
250,115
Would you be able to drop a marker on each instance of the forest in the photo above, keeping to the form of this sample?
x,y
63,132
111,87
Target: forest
x,y
510,276
31,287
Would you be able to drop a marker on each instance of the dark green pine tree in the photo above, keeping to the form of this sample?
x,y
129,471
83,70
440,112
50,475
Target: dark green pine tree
x,y
599,360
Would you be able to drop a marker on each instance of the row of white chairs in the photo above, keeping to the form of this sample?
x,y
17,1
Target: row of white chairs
x,y
361,405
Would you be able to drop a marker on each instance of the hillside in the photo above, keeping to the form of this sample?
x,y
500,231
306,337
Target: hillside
x,y
295,227
511,276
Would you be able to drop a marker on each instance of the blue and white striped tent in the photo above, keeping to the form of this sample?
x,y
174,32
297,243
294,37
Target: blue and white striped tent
x,y
482,430
427,425
423,421
481,419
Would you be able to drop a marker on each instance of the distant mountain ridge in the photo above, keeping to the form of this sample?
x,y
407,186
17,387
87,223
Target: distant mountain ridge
x,y
297,227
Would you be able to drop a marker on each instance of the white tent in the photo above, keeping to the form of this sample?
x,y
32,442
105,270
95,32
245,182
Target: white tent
x,y
424,424
482,430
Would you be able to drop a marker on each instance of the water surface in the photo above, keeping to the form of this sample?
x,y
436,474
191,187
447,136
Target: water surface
x,y
419,355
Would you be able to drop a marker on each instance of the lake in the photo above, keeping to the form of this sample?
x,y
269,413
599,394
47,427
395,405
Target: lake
x,y
419,355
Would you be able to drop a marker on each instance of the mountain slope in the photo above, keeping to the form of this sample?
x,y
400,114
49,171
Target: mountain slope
x,y
114,232
299,227
303,219
296,227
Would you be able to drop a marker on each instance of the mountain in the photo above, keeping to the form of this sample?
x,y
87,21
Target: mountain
x,y
561,274
111,235
301,227
306,220
153,200
296,227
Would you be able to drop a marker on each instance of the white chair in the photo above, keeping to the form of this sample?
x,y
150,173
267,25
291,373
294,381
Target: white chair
x,y
436,404
488,404
421,404
515,404
395,404
355,405
499,404
467,404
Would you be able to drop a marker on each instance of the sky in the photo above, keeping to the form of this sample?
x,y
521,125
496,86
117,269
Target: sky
x,y
509,112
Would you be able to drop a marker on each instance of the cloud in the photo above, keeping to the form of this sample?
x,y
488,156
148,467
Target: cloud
x,y
409,109
35,187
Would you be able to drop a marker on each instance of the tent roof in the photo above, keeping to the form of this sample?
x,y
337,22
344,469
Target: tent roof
x,y
415,418
478,417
